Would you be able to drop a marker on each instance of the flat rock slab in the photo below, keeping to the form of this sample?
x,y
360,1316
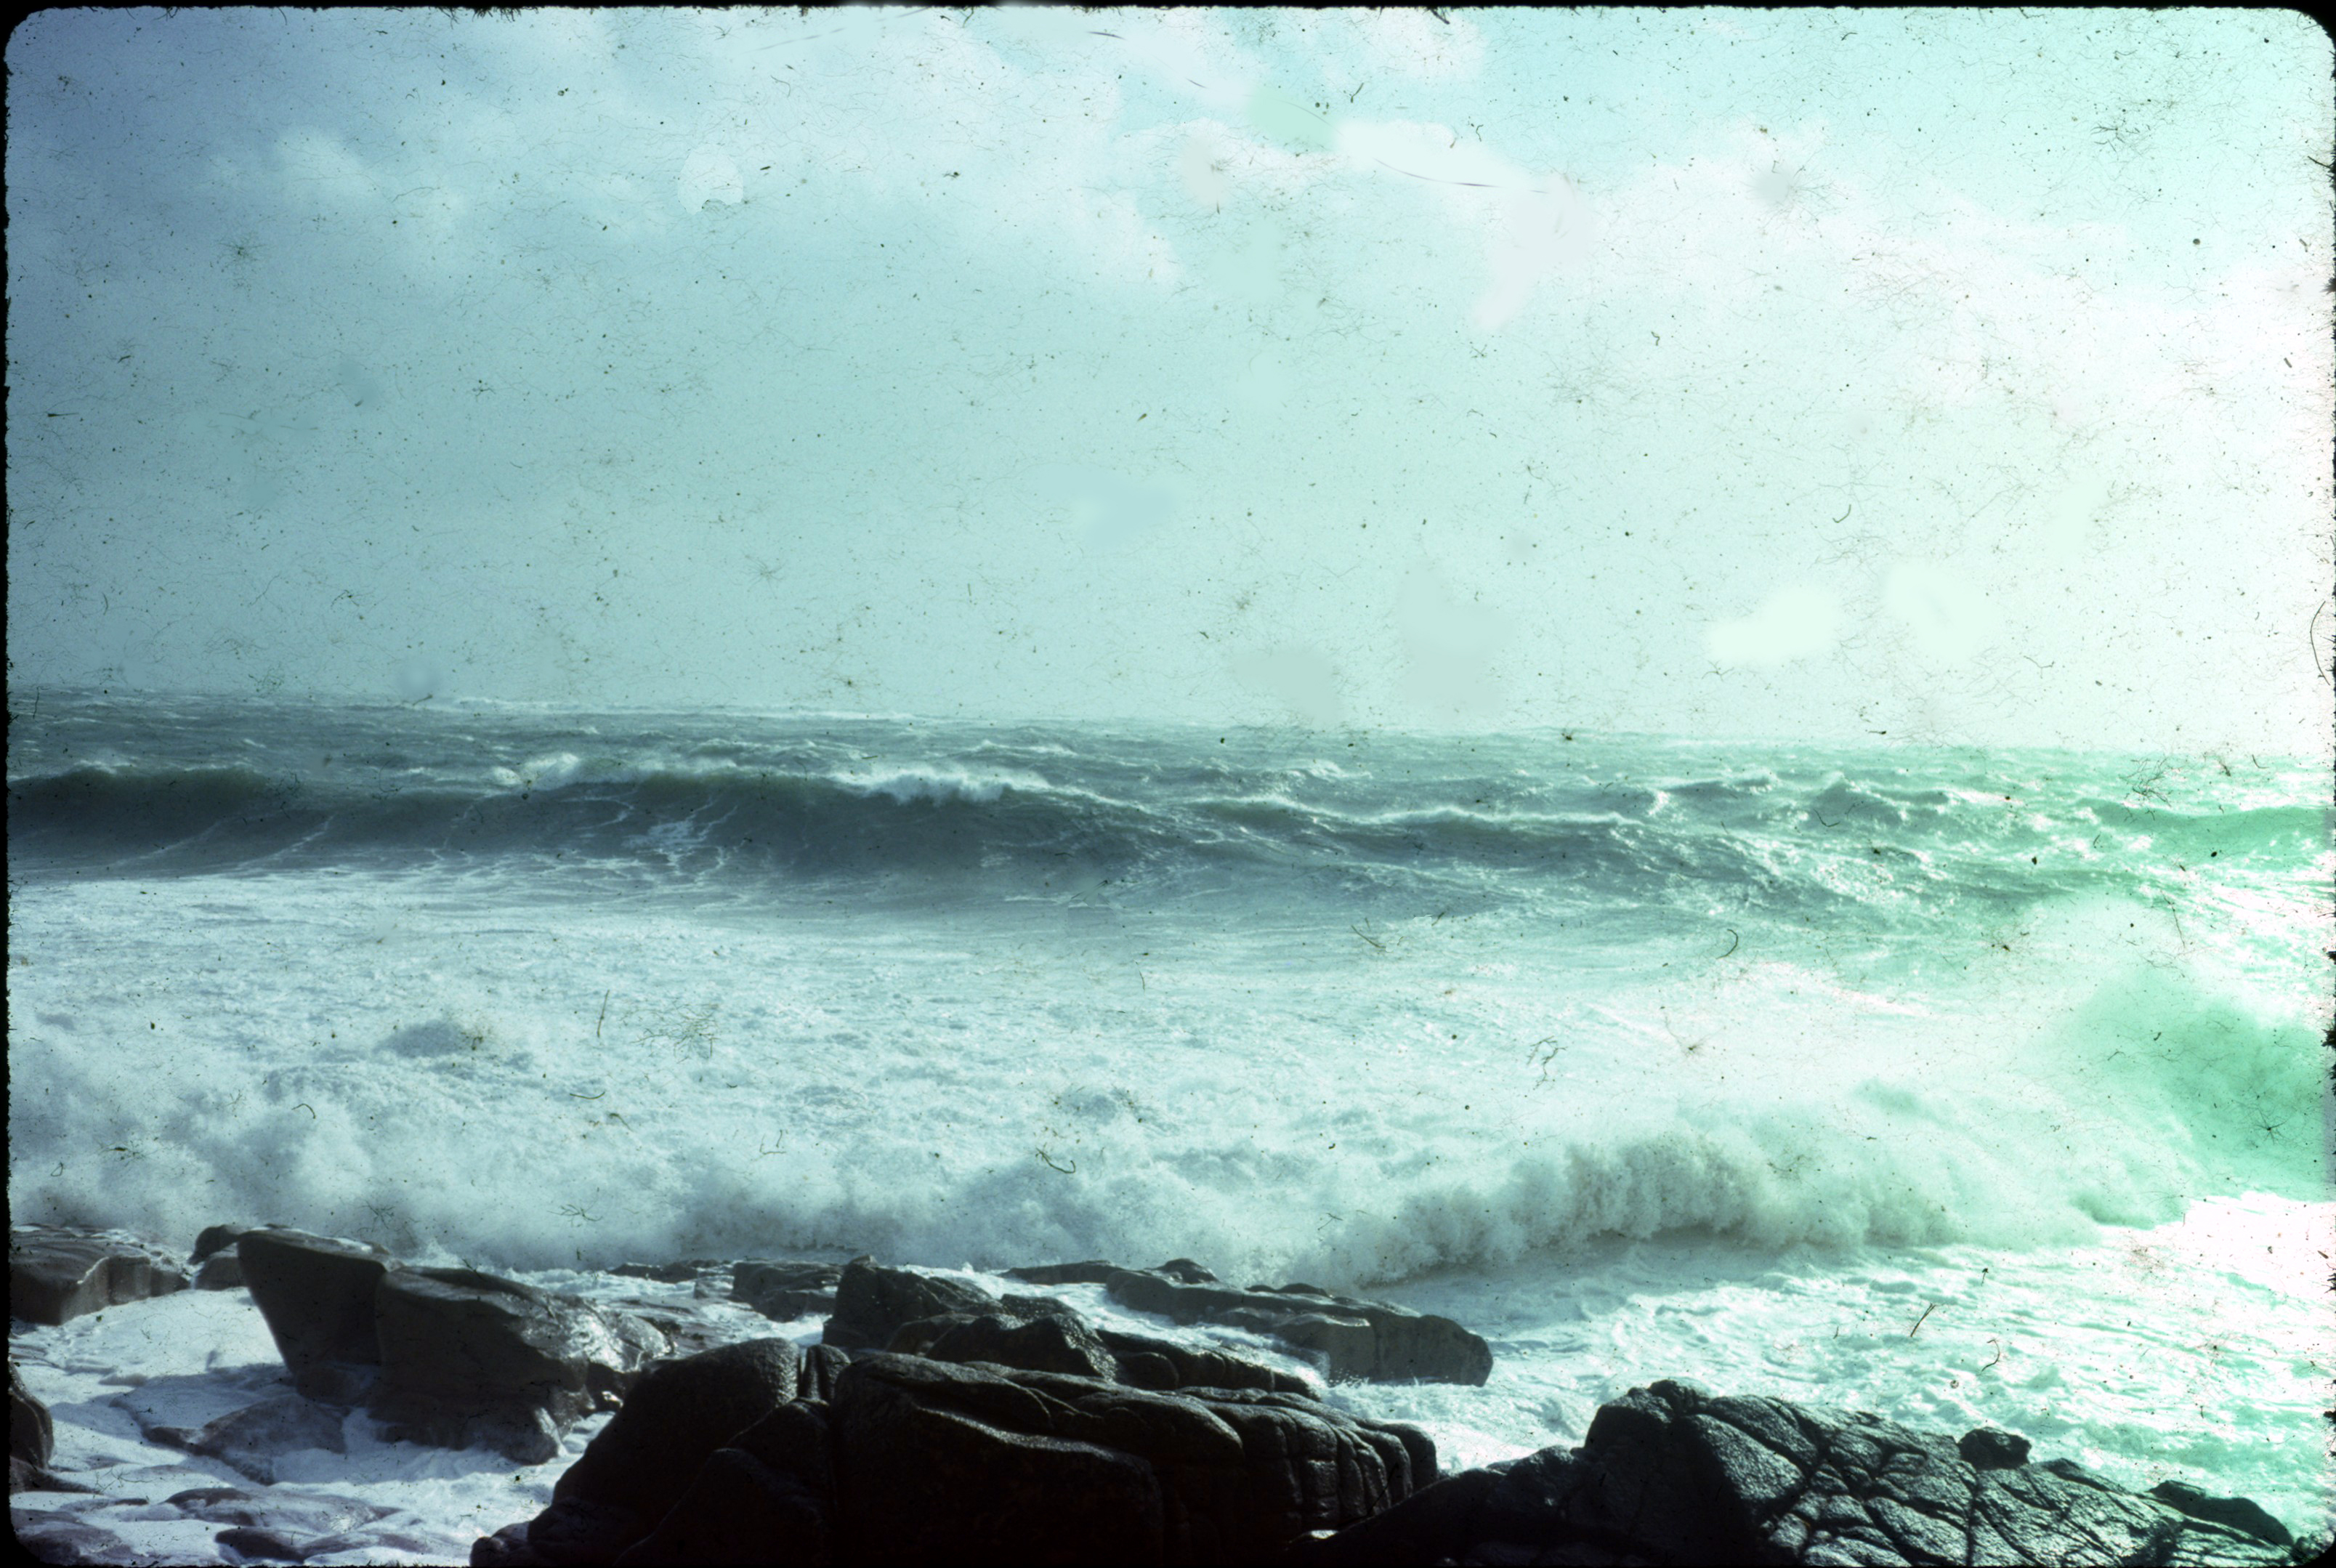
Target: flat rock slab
x,y
1670,1475
1350,1338
59,1272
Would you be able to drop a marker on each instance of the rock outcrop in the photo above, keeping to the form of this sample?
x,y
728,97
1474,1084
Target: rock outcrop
x,y
32,1436
872,1302
448,1356
1670,1475
1349,1337
759,1454
59,1272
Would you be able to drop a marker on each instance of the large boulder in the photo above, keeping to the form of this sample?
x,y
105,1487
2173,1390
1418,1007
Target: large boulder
x,y
1668,1474
448,1357
767,1495
59,1272
632,1475
872,1302
950,1463
1349,1337
1040,1334
316,1293
468,1358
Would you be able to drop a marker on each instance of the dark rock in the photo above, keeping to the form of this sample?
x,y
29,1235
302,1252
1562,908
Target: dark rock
x,y
250,1543
1670,1475
308,1514
470,1358
1987,1448
783,1291
873,1302
2243,1515
822,1365
675,1415
1093,1273
255,1437
32,1435
1164,1366
571,1532
1052,1343
768,1496
942,1463
59,1272
220,1272
669,1273
317,1295
217,1238
1349,1338
47,1536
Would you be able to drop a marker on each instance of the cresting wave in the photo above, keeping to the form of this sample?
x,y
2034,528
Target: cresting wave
x,y
1122,811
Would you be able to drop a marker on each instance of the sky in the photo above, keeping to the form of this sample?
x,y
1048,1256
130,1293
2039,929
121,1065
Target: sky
x,y
1960,377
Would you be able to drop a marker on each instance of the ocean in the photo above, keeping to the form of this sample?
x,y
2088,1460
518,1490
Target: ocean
x,y
1961,1086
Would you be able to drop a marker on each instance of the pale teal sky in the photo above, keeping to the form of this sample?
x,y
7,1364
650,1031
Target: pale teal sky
x,y
1957,374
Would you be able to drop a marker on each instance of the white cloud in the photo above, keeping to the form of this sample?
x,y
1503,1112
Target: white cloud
x,y
1793,623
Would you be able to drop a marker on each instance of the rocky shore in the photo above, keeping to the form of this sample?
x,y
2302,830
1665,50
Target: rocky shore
x,y
934,1421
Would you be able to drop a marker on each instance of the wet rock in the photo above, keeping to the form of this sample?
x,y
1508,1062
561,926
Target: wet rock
x,y
941,1463
670,1273
783,1291
873,1302
254,1439
2245,1515
251,1543
217,1265
1347,1336
59,1272
1093,1271
1670,1475
633,1473
822,1365
301,1515
48,1536
1163,1366
316,1293
32,1435
1050,1343
768,1495
468,1358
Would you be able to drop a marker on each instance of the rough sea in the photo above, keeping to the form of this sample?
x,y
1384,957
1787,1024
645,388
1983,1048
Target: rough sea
x,y
1960,1086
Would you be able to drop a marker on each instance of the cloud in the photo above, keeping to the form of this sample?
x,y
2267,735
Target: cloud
x,y
1793,623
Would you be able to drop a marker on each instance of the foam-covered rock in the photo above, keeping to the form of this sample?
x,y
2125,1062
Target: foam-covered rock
x,y
59,1272
1670,1475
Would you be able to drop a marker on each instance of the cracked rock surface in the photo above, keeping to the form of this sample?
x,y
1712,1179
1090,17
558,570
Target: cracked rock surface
x,y
1669,1474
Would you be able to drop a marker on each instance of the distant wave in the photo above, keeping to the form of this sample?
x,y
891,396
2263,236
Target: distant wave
x,y
1471,822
